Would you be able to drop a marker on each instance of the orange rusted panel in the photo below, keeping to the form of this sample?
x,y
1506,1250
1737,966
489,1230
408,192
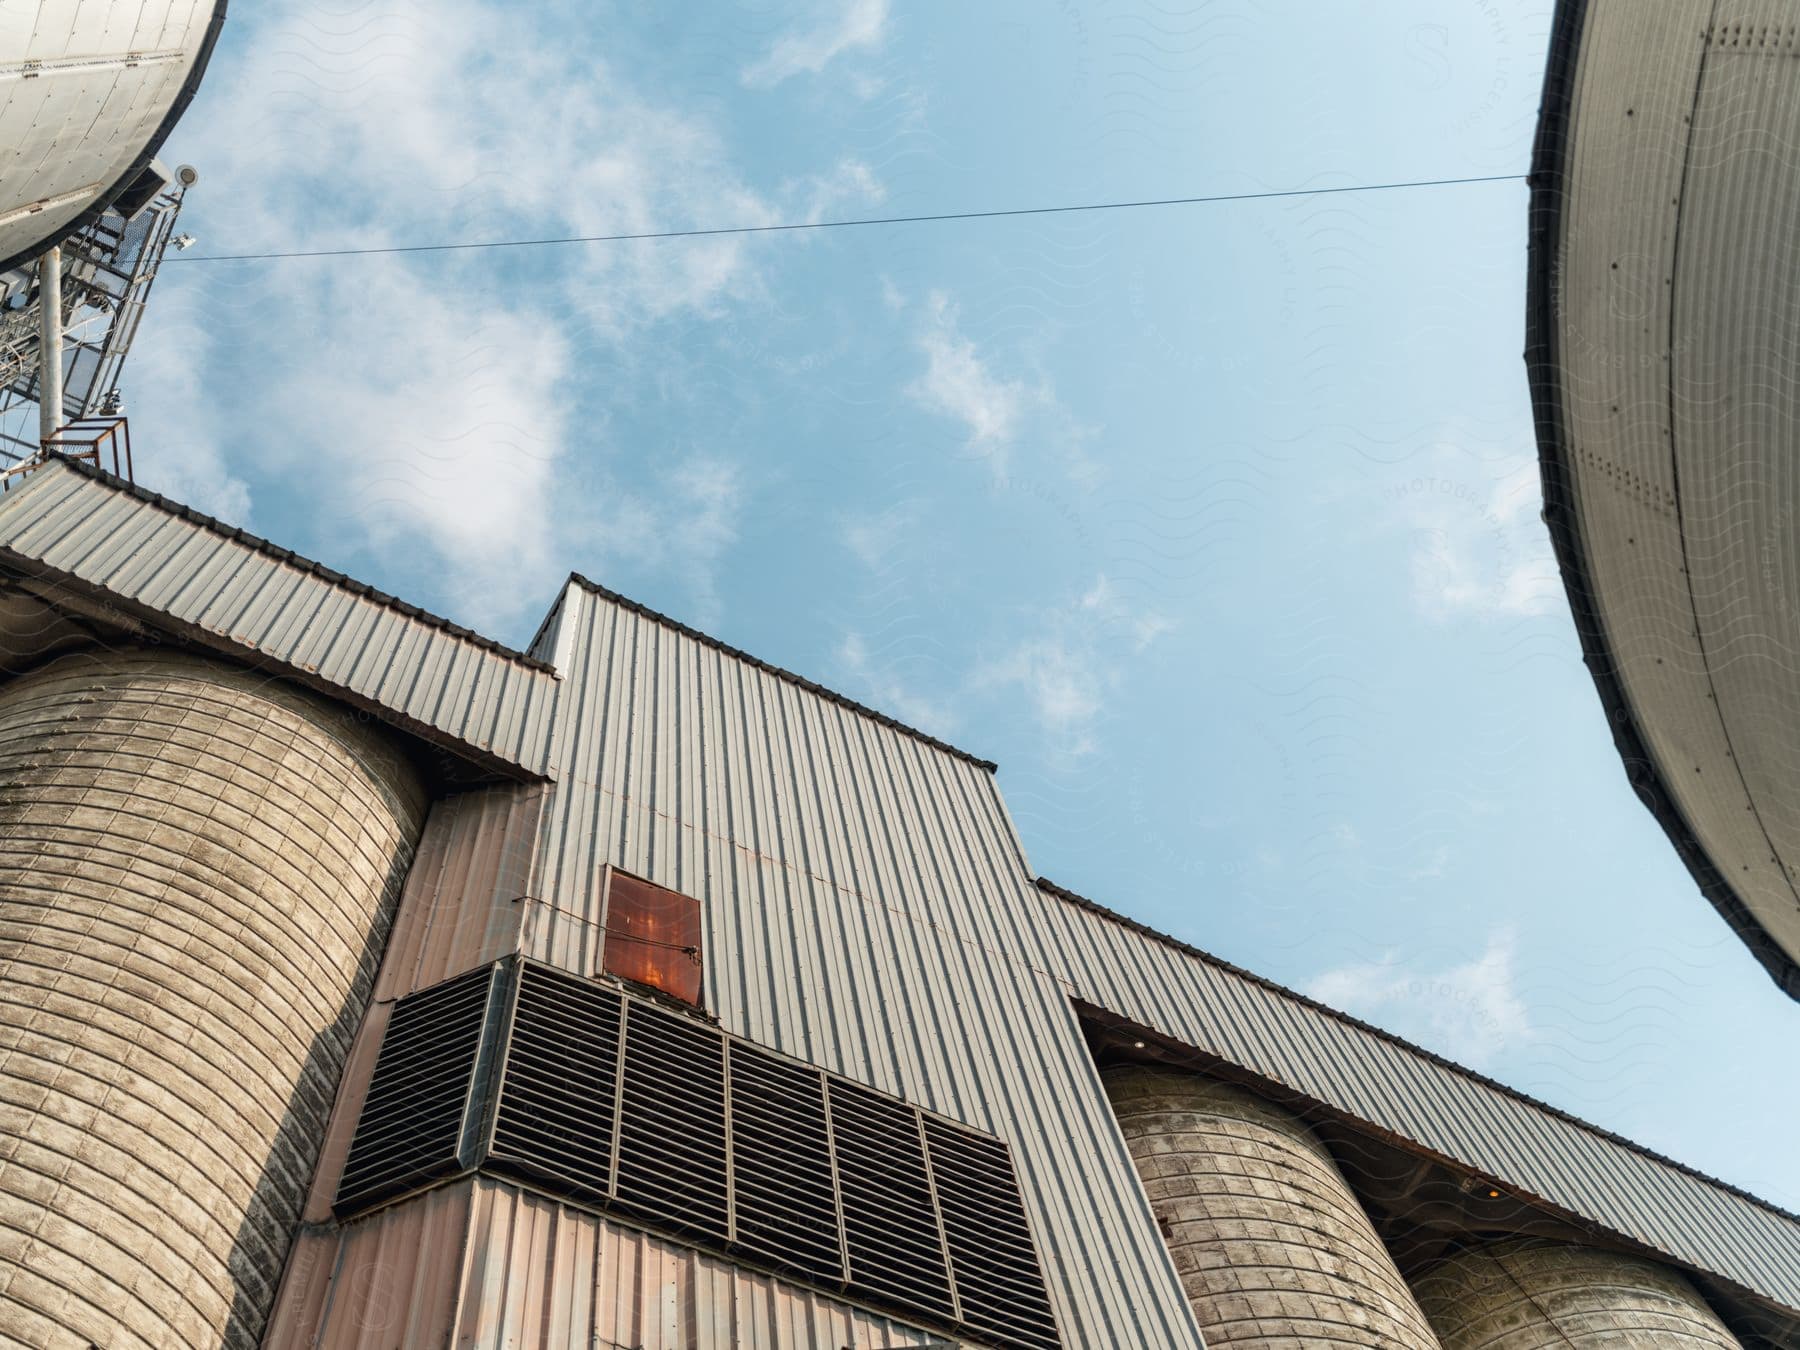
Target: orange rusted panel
x,y
653,936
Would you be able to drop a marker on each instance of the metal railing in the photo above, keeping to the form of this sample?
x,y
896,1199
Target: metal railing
x,y
104,442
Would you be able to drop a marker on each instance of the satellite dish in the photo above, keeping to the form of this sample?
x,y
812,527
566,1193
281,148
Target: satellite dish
x,y
187,175
129,70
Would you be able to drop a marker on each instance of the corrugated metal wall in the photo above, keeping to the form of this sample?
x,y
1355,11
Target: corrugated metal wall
x,y
134,550
483,1264
871,910
864,893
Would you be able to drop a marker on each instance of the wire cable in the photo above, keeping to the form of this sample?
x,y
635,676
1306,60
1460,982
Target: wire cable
x,y
840,224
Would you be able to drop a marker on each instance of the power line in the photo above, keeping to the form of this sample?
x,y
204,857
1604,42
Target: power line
x,y
841,224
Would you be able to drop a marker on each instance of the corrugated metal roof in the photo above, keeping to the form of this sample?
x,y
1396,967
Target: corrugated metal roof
x,y
87,94
152,558
1330,1057
1662,332
870,910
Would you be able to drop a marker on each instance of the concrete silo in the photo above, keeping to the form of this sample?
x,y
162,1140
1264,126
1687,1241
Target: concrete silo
x,y
1525,1293
1270,1243
197,868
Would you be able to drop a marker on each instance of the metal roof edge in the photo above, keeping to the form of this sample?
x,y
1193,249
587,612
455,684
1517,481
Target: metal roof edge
x,y
305,564
189,87
1547,182
811,687
1187,949
49,581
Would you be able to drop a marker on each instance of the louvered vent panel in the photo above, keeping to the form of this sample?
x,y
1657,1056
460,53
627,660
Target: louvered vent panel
x,y
781,1160
555,1118
896,1254
994,1262
672,1122
411,1127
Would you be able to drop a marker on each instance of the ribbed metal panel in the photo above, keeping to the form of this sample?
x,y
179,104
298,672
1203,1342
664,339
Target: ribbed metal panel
x,y
390,1280
542,1276
152,558
869,909
464,901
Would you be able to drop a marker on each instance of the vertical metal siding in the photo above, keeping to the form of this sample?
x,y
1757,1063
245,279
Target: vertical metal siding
x,y
539,1275
390,1280
855,883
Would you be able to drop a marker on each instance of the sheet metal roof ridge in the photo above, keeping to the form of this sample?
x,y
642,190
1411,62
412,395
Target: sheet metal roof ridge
x,y
1348,1019
1548,185
811,686
184,96
304,564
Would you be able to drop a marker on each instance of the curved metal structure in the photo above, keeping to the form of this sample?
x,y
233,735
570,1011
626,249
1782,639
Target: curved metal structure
x,y
1663,346
88,92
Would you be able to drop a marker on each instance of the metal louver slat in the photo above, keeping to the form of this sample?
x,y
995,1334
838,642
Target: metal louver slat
x,y
787,1210
558,1095
411,1127
890,1222
671,1163
998,1280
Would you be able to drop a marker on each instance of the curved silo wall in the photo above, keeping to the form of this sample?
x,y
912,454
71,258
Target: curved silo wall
x,y
197,867
1271,1245
1524,1293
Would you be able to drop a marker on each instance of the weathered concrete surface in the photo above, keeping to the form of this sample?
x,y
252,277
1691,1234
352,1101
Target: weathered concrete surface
x,y
197,868
1272,1248
1523,1294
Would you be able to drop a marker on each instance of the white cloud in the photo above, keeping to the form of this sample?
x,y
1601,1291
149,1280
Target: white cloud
x,y
958,384
851,25
851,182
887,693
425,405
1074,665
1479,548
1471,1012
164,381
875,539
1104,603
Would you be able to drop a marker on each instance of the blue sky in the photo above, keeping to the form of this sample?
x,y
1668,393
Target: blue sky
x,y
1216,526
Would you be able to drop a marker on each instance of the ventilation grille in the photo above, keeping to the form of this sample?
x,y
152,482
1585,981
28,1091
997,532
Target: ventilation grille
x,y
787,1206
998,1282
621,1103
672,1123
890,1223
554,1119
411,1127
